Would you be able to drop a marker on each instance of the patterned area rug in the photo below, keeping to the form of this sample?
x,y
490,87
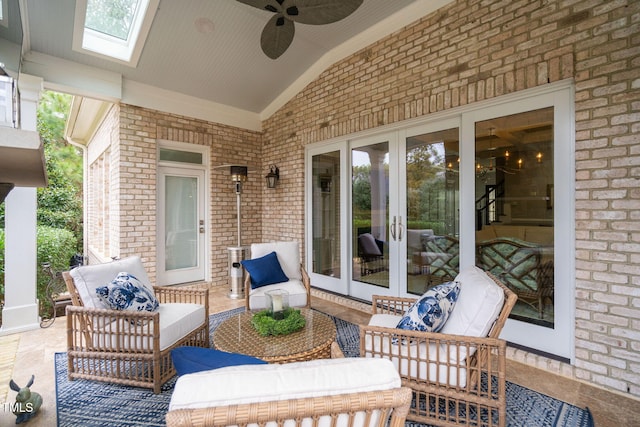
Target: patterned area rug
x,y
95,404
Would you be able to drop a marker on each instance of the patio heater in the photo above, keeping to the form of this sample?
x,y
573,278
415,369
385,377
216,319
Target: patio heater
x,y
239,252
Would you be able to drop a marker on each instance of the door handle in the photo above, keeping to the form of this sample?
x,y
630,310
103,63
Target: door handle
x,y
392,228
400,229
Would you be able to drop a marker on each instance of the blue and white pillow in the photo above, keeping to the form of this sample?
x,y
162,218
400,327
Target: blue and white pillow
x,y
430,312
127,293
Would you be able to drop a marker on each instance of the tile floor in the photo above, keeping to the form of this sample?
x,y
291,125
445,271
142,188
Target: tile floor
x,y
32,352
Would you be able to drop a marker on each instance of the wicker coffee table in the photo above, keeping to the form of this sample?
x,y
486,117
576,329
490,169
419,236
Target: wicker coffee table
x,y
237,335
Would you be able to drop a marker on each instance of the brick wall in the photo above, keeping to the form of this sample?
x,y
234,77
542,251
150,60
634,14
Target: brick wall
x,y
102,218
139,132
473,50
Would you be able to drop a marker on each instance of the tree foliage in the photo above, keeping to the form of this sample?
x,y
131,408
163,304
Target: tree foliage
x,y
60,203
113,17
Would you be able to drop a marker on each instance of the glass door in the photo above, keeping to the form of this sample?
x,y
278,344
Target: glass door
x,y
415,205
376,223
432,207
181,226
326,207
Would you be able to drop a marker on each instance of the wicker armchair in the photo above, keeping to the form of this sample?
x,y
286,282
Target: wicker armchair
x,y
453,376
350,392
125,347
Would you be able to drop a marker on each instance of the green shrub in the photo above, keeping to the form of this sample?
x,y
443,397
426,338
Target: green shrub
x,y
55,246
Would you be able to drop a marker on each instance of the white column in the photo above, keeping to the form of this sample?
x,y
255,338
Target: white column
x,y
20,311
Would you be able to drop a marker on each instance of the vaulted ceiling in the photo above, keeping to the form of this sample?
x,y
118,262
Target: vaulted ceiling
x,y
203,57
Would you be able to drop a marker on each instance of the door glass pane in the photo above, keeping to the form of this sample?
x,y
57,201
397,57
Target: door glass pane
x,y
514,208
181,222
370,207
326,214
432,209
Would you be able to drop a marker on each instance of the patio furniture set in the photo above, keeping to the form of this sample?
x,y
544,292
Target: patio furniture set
x,y
412,359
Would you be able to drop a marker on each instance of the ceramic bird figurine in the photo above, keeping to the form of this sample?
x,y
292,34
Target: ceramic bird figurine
x,y
27,403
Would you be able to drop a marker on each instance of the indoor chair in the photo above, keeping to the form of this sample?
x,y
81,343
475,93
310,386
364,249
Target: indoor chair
x,y
458,371
129,346
283,271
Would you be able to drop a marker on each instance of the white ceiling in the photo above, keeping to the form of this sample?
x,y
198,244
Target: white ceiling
x,y
220,70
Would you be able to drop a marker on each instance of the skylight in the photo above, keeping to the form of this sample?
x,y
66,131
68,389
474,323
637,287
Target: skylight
x,y
113,29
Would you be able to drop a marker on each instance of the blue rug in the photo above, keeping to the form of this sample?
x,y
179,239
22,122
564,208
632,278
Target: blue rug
x,y
96,404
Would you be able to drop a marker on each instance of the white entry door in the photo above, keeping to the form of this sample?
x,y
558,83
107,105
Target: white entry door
x,y
181,225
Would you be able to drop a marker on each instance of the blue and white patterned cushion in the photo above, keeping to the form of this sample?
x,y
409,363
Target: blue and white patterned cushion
x,y
430,312
127,293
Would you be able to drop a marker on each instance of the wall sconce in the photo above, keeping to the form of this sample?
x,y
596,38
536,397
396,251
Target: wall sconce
x,y
273,176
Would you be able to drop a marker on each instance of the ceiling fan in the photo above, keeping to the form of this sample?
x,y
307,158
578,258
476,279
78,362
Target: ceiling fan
x,y
277,35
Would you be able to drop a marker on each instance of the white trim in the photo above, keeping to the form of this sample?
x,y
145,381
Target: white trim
x,y
146,96
74,78
205,192
71,77
393,23
96,44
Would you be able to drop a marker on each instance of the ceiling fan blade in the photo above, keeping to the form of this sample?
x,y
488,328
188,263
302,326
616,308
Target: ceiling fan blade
x,y
270,5
318,12
277,36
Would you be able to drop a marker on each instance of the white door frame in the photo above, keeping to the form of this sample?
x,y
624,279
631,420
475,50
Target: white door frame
x,y
560,339
201,173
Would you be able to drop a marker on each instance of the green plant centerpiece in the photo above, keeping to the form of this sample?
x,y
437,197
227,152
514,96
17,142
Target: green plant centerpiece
x,y
264,322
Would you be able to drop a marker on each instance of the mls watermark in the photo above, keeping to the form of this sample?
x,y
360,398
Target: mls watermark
x,y
17,407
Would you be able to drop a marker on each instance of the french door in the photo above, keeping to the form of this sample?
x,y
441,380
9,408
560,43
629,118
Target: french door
x,y
399,211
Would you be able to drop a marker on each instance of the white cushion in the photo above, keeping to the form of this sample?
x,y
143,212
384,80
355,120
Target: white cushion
x,y
176,321
262,383
405,357
89,277
295,288
384,320
288,256
479,304
455,375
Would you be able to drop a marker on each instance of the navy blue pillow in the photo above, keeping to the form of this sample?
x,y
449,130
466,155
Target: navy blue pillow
x,y
265,270
187,360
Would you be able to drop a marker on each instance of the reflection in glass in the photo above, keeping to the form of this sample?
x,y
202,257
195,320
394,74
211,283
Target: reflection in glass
x,y
326,214
514,208
370,207
181,226
432,209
